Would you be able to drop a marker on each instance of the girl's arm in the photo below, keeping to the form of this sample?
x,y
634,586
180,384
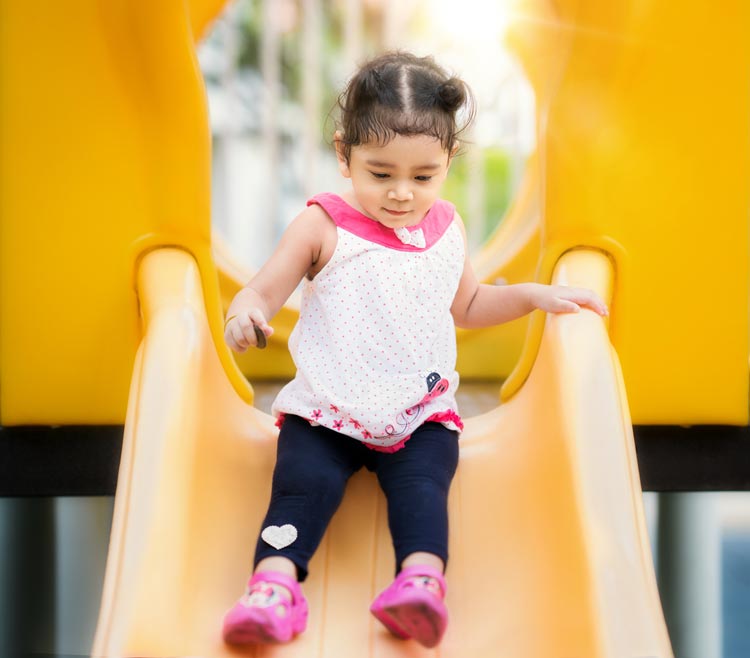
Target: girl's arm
x,y
480,305
297,254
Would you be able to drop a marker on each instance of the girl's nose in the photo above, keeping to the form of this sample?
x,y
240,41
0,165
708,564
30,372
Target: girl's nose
x,y
401,193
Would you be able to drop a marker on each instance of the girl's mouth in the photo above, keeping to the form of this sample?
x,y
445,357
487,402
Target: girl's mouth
x,y
396,213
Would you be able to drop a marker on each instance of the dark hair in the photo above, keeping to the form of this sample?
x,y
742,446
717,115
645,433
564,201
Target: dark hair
x,y
398,93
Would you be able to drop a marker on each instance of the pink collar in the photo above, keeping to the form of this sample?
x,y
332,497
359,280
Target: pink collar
x,y
432,227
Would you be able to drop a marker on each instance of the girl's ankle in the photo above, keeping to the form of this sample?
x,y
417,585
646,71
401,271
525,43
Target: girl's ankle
x,y
427,583
264,594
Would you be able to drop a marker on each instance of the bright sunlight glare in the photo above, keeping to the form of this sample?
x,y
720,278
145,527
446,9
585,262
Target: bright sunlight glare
x,y
472,20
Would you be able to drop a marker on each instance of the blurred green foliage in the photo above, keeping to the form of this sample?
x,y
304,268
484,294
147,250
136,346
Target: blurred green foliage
x,y
496,166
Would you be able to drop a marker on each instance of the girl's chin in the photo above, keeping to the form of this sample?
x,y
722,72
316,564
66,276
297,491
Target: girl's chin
x,y
398,221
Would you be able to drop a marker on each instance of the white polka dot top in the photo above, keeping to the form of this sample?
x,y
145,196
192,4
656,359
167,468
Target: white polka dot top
x,y
375,344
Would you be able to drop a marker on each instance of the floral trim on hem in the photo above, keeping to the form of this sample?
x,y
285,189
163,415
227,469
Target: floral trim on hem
x,y
447,418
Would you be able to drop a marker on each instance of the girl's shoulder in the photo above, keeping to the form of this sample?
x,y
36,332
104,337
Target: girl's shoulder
x,y
310,225
316,215
334,206
314,228
309,234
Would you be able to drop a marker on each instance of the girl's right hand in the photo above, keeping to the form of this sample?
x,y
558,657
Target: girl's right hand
x,y
239,329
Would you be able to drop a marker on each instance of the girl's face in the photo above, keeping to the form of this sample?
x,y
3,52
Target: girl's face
x,y
397,183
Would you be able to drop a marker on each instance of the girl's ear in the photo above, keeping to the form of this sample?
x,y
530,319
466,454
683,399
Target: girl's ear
x,y
340,155
453,152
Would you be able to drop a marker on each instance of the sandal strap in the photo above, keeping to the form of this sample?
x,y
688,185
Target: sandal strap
x,y
425,571
278,578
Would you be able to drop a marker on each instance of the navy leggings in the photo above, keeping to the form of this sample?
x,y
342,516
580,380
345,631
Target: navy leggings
x,y
313,465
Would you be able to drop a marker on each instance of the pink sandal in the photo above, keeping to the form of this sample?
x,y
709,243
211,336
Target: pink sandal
x,y
412,606
263,615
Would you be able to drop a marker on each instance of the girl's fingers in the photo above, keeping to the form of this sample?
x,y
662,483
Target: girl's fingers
x,y
584,297
254,329
236,333
239,342
566,306
229,335
247,334
593,301
258,319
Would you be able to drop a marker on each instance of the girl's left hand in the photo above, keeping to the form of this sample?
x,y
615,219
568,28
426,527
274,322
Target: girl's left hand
x,y
564,299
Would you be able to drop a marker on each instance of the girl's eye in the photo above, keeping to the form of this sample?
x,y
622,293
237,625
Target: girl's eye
x,y
424,179
377,175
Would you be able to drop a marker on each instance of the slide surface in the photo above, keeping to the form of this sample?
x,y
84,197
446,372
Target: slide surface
x,y
549,549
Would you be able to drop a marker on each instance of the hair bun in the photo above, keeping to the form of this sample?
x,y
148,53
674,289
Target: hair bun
x,y
452,94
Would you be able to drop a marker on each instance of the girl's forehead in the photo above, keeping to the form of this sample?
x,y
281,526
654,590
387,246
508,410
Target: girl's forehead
x,y
403,150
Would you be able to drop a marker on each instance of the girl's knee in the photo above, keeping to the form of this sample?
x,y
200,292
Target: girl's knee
x,y
294,477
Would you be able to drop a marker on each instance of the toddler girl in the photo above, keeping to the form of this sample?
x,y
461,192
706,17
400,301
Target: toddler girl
x,y
386,279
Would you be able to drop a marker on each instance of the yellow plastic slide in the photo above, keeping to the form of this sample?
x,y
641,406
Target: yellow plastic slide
x,y
549,554
106,274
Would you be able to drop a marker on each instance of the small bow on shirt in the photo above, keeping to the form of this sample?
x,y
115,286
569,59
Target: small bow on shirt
x,y
413,238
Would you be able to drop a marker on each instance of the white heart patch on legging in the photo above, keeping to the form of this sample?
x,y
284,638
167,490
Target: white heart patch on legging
x,y
279,537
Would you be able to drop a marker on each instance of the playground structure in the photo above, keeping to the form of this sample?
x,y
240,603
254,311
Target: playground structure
x,y
111,313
